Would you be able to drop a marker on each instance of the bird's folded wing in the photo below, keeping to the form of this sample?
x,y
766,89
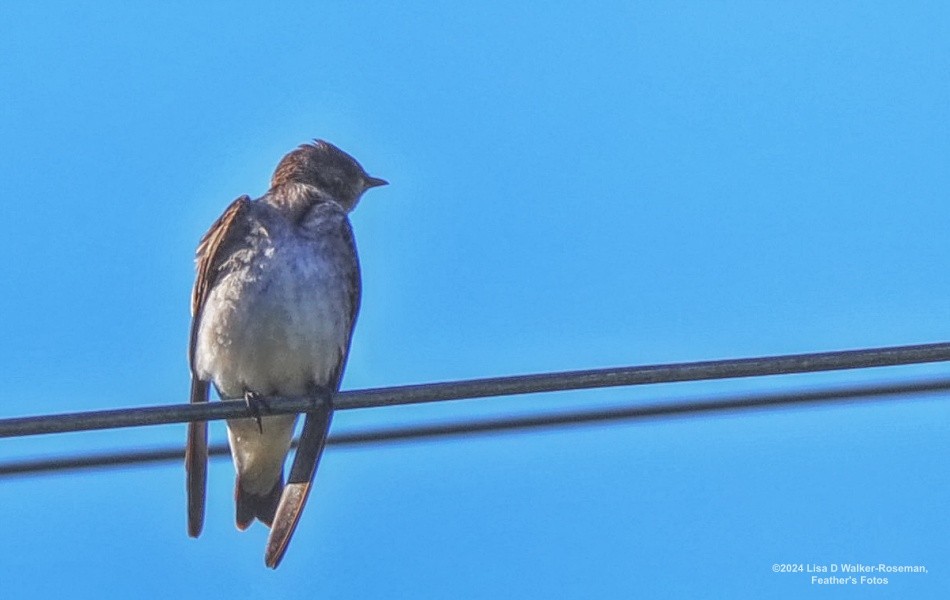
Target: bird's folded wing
x,y
312,440
230,227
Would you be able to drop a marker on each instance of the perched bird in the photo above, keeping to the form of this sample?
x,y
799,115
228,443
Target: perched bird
x,y
273,309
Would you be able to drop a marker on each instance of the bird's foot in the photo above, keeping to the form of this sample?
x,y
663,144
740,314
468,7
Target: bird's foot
x,y
320,395
254,402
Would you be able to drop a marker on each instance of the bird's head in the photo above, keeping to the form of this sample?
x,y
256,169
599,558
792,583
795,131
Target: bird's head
x,y
327,168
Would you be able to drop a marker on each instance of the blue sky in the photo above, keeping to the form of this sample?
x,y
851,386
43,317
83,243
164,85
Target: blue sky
x,y
572,187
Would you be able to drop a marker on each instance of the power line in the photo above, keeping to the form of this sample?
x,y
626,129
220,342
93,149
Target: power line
x,y
479,388
508,424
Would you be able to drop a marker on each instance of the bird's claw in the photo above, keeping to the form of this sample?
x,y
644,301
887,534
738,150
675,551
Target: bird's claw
x,y
254,402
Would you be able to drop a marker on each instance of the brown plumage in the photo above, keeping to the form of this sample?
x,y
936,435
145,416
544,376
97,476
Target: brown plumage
x,y
273,308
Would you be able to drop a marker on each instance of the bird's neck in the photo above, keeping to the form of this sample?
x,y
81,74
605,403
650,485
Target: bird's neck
x,y
294,200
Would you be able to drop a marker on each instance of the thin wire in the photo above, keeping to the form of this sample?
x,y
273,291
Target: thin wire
x,y
507,424
479,388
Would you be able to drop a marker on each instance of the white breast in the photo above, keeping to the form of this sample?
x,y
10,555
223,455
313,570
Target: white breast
x,y
276,325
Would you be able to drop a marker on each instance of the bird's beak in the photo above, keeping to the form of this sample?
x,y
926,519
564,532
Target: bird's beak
x,y
374,182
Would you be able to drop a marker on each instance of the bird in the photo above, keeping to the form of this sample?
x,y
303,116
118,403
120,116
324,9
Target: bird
x,y
274,305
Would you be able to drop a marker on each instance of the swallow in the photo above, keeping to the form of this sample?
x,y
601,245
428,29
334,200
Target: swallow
x,y
273,307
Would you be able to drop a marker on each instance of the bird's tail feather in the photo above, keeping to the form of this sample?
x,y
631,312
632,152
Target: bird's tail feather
x,y
250,506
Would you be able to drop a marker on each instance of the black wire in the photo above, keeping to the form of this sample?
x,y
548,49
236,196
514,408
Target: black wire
x,y
506,424
479,388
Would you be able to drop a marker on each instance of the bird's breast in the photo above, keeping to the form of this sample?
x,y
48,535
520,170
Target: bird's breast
x,y
276,322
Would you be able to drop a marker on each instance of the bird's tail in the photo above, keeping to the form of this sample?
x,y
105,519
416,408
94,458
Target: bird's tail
x,y
254,506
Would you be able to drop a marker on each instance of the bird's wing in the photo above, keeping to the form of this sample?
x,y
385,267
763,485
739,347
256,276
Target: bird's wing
x,y
292,500
316,426
230,226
